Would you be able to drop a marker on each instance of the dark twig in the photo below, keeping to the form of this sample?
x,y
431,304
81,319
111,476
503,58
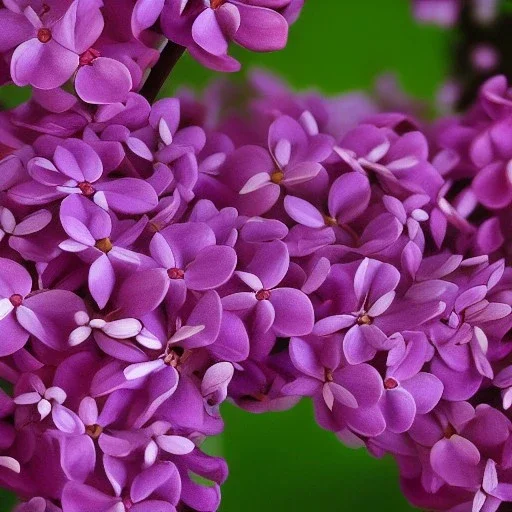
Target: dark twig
x,y
497,35
168,58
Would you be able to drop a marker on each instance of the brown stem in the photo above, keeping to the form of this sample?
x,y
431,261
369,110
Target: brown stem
x,y
471,35
168,58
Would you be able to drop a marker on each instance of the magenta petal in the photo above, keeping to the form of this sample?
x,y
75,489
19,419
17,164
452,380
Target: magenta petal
x,y
161,386
15,29
305,360
129,195
80,27
116,473
349,197
119,349
33,223
186,240
492,186
142,292
457,385
78,456
343,395
366,421
145,14
14,279
104,81
399,409
101,280
43,171
153,506
52,318
232,343
44,66
76,159
261,29
33,193
270,263
302,386
207,33
13,335
75,495
83,220
375,279
212,267
207,312
456,460
239,301
294,315
145,483
114,446
356,348
303,212
363,381
263,316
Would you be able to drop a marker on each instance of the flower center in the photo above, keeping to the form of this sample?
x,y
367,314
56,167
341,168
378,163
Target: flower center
x,y
215,4
44,35
16,300
176,273
276,177
330,221
390,383
364,320
94,431
449,431
104,245
175,357
263,294
154,227
86,188
87,58
128,503
328,375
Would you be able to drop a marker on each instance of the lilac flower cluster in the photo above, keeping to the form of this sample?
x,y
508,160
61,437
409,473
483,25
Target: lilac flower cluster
x,y
206,27
104,50
157,259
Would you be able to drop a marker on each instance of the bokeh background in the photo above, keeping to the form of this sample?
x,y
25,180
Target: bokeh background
x,y
283,461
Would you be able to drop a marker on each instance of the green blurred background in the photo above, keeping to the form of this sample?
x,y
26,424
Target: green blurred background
x,y
283,461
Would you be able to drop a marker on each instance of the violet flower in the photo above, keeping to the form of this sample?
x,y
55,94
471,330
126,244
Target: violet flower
x,y
50,47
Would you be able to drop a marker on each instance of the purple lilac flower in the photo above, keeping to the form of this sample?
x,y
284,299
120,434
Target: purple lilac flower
x,y
157,260
207,28
49,47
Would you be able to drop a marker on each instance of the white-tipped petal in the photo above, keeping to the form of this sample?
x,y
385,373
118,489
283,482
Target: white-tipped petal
x,y
10,463
122,329
81,318
256,182
149,340
5,308
150,454
176,445
185,332
27,398
55,393
79,335
165,132
138,370
44,408
97,323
